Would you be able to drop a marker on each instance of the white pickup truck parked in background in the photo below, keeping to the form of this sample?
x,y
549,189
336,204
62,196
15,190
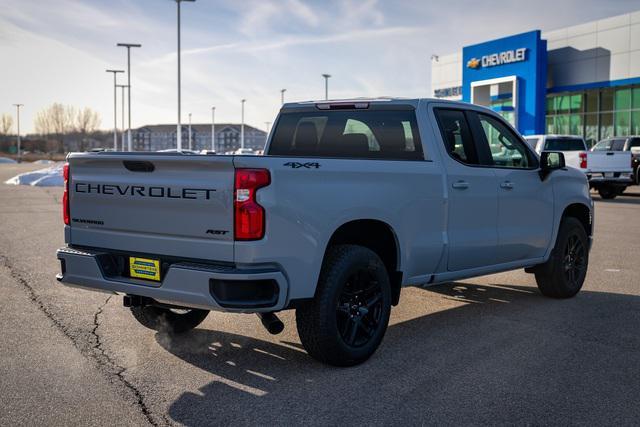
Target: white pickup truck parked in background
x,y
573,147
608,171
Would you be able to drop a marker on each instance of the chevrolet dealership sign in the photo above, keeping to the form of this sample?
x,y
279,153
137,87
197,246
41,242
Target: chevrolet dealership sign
x,y
506,57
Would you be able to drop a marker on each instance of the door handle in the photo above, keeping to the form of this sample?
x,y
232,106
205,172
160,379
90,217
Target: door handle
x,y
507,185
460,185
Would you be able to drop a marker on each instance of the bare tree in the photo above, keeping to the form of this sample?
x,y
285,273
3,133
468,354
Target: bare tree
x,y
42,123
87,121
62,118
6,123
57,120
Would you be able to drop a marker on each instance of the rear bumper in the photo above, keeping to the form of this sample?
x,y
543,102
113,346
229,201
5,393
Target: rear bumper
x,y
619,178
184,284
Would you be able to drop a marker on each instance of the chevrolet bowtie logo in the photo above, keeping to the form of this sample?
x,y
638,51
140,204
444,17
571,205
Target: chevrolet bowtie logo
x,y
473,63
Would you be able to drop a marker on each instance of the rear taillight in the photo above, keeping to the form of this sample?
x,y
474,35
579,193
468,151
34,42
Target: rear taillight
x,y
249,217
65,195
583,160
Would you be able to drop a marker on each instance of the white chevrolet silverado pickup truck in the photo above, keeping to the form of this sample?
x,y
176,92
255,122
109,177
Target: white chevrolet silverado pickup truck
x,y
608,170
352,201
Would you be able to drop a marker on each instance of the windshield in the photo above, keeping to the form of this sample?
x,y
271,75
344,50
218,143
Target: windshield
x,y
564,144
602,146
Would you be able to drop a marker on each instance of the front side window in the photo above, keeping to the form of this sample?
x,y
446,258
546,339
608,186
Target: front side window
x,y
370,134
507,150
533,142
456,135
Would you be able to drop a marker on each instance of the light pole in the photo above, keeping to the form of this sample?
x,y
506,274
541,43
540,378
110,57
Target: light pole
x,y
189,131
122,99
282,91
18,124
115,110
242,125
179,124
129,46
213,129
326,85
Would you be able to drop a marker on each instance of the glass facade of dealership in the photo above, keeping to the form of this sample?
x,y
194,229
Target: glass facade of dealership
x,y
596,113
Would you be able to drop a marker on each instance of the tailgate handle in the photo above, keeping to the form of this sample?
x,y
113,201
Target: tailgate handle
x,y
609,154
138,166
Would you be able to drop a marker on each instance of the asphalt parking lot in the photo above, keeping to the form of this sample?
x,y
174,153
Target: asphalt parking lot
x,y
490,350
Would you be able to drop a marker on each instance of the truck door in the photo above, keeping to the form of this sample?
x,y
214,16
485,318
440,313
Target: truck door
x,y
472,195
525,202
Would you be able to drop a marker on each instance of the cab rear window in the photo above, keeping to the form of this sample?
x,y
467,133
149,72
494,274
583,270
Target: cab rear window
x,y
362,134
564,144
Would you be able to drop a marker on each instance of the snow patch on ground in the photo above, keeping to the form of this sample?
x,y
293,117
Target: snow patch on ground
x,y
47,177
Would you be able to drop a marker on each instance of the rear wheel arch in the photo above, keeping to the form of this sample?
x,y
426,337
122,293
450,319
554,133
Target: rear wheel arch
x,y
380,238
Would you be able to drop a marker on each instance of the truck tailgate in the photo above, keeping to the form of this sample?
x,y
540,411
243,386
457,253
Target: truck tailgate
x,y
609,161
150,203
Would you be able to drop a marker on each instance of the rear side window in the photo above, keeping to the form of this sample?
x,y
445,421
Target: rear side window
x,y
456,135
379,134
564,144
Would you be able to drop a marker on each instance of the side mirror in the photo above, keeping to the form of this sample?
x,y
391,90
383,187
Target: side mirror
x,y
550,161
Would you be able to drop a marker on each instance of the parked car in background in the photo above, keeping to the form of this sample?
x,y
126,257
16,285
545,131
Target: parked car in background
x,y
608,172
573,147
627,143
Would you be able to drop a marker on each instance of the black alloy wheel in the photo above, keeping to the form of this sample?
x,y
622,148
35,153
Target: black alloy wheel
x,y
359,309
574,262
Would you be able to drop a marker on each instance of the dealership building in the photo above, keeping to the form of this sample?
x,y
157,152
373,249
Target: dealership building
x,y
580,80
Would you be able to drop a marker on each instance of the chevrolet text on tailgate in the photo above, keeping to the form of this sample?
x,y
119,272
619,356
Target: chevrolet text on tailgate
x,y
352,201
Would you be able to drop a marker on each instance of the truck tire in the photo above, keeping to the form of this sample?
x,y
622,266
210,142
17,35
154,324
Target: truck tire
x,y
346,321
563,274
607,192
168,320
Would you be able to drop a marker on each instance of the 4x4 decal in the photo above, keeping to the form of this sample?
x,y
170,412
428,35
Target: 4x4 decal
x,y
297,165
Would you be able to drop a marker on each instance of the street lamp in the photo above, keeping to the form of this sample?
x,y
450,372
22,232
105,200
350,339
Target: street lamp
x,y
179,124
18,124
282,91
122,98
115,110
189,131
213,129
326,85
129,46
242,125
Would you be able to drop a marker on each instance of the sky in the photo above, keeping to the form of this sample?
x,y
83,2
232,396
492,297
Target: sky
x,y
58,51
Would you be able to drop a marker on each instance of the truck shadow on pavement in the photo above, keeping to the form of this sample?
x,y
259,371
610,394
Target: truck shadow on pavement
x,y
505,354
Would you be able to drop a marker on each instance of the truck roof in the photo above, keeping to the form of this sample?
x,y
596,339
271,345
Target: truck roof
x,y
553,135
377,101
